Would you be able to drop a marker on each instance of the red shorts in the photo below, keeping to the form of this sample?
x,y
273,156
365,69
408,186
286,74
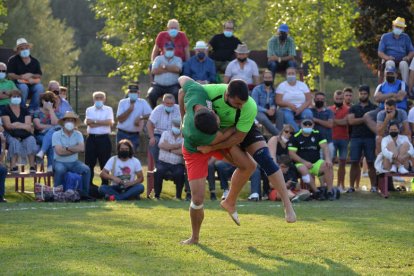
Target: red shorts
x,y
197,162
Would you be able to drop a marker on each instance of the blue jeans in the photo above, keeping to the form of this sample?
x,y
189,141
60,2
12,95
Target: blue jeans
x,y
60,169
263,118
3,173
224,172
134,138
176,171
133,191
155,150
45,140
255,181
274,65
341,148
35,90
290,117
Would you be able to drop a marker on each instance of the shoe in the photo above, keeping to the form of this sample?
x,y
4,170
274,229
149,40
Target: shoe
x,y
398,179
40,155
188,197
14,170
265,197
32,170
300,197
365,174
253,197
3,200
402,170
109,197
89,198
373,189
49,168
225,194
213,196
331,196
350,190
341,190
393,169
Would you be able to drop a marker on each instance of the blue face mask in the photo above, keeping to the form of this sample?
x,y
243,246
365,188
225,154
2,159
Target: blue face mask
x,y
397,31
169,54
201,55
291,78
169,109
307,130
173,32
99,104
2,75
176,130
133,97
15,100
25,53
228,33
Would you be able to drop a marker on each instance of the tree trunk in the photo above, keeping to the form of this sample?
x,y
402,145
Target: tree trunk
x,y
321,48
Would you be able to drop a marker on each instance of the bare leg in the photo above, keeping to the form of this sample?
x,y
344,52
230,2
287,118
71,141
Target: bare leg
x,y
13,161
403,154
372,174
355,171
328,175
303,170
341,174
197,215
31,160
411,80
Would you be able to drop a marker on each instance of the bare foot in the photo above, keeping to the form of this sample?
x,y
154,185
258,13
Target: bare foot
x,y
231,210
189,241
290,215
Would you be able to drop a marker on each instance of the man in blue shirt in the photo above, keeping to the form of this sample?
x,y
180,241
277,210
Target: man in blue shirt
x,y
395,48
200,67
323,119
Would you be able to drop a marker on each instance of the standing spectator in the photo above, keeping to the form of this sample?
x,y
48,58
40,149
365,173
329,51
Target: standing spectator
x,y
68,143
340,135
5,86
174,35
264,96
62,103
125,173
18,125
3,169
348,95
294,98
281,50
362,138
200,67
25,71
223,46
170,160
395,48
242,68
166,69
323,119
131,114
99,119
160,120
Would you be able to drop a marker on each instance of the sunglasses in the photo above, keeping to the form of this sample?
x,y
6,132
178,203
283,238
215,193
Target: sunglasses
x,y
288,132
307,123
3,71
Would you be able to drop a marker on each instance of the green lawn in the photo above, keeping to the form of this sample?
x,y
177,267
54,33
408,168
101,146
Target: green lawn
x,y
359,234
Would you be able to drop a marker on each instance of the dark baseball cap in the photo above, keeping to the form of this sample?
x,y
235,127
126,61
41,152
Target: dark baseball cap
x,y
169,45
133,88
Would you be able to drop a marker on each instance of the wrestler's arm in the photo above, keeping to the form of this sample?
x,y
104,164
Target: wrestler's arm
x,y
181,95
223,135
233,140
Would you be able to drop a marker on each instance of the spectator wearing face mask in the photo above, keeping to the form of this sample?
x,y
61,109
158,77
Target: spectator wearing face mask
x,y
62,104
200,67
323,118
5,86
160,120
281,50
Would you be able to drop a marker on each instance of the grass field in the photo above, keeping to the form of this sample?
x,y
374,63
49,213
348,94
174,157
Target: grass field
x,y
359,234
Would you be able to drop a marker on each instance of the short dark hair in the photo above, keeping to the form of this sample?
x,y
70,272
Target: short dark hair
x,y
348,89
128,144
320,94
238,88
205,121
390,102
284,159
338,93
363,87
393,123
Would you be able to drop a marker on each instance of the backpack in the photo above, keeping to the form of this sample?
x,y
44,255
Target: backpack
x,y
73,181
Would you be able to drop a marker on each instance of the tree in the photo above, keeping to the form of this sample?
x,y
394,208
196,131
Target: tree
x,y
132,26
321,29
3,25
53,40
375,18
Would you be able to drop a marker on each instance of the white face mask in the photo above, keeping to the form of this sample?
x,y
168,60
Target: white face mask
x,y
284,139
69,126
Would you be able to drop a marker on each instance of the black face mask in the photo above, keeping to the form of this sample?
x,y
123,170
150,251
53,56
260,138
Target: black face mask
x,y
338,105
268,83
123,154
319,104
390,79
363,100
394,134
242,59
282,36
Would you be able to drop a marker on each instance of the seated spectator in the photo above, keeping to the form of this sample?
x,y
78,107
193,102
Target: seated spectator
x,y
17,123
3,169
160,120
45,121
200,67
170,160
63,92
223,46
131,114
396,152
348,95
242,68
278,145
264,96
281,50
68,143
323,119
166,69
62,103
25,71
304,149
125,173
5,86
396,49
294,98
174,35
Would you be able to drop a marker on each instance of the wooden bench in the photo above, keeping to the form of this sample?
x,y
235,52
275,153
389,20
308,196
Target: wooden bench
x,y
37,176
383,182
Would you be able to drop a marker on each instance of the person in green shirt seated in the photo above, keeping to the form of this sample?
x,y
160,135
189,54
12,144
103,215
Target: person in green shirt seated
x,y
5,86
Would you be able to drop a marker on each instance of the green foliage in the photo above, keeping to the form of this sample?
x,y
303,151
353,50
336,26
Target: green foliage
x,y
375,18
321,29
3,25
132,26
53,40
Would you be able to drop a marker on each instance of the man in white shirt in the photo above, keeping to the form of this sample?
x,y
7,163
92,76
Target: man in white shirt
x,y
99,119
160,120
131,114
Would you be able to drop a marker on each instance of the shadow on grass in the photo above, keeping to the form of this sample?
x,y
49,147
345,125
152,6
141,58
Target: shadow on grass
x,y
286,266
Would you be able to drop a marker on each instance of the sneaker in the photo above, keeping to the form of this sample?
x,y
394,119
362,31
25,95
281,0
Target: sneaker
x,y
49,168
40,154
32,170
331,196
300,197
341,190
265,197
398,179
225,194
110,197
188,197
402,170
393,169
14,170
365,174
350,190
373,189
3,200
213,196
253,197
